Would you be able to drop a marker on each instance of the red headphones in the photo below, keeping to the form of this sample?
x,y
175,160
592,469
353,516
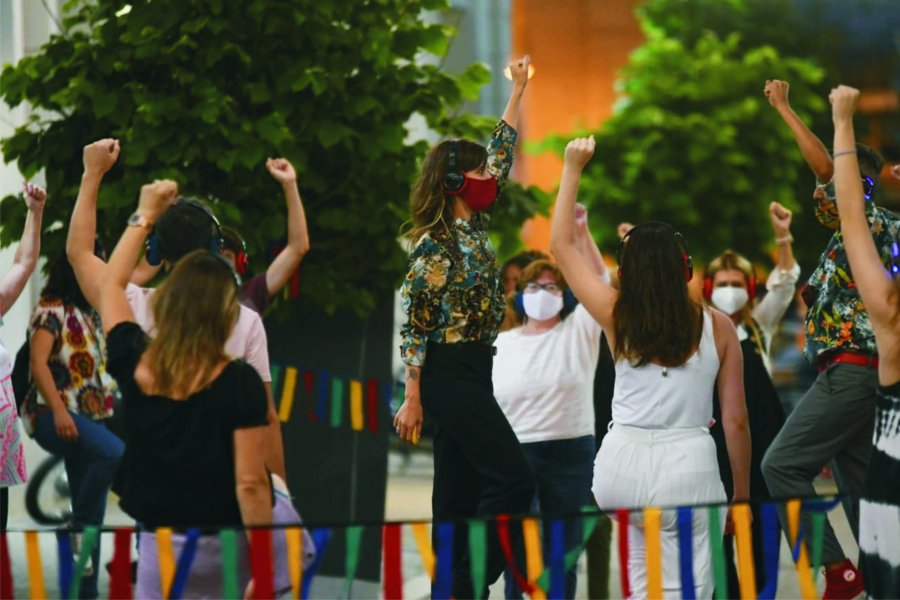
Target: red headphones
x,y
751,287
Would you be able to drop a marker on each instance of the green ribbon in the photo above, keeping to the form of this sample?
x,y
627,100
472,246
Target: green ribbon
x,y
228,539
720,574
478,555
276,379
818,535
354,537
337,401
88,541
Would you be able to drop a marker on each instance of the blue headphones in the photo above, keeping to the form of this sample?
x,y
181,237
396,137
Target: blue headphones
x,y
154,252
569,302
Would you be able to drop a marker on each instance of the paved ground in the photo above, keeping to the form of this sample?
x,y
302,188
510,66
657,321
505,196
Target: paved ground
x,y
408,497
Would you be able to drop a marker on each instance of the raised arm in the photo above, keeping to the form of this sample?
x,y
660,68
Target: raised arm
x,y
875,284
597,296
730,385
114,308
287,261
811,147
519,72
98,158
27,252
586,245
783,279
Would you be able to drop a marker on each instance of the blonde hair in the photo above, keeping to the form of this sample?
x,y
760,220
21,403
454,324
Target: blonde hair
x,y
195,309
732,261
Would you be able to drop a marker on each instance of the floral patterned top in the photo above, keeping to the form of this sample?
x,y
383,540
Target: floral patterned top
x,y
452,292
77,362
837,319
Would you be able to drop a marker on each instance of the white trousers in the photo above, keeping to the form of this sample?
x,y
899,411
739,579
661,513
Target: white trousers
x,y
661,467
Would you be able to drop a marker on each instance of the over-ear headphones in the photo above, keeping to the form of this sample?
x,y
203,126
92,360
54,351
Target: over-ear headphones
x,y
454,179
216,243
241,260
679,239
751,287
569,303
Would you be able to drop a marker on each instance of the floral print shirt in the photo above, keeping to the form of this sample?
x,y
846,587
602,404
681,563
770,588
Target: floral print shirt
x,y
452,292
77,362
837,319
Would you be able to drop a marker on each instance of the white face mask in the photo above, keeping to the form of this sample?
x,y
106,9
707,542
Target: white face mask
x,y
542,305
730,299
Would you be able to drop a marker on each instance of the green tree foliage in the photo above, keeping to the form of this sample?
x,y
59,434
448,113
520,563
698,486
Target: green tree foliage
x,y
202,92
694,142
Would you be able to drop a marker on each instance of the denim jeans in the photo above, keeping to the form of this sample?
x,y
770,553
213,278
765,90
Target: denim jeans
x,y
91,463
563,470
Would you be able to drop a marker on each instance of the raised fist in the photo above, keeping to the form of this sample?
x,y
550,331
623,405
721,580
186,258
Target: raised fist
x,y
156,198
843,102
100,156
282,170
777,92
520,71
35,196
781,219
579,152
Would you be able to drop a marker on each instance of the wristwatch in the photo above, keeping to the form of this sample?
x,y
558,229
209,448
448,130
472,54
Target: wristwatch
x,y
139,220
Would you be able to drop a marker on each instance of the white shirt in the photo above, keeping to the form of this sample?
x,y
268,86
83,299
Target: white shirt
x,y
247,340
769,311
544,383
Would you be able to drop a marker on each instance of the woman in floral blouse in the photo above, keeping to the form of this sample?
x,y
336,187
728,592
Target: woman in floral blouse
x,y
66,409
454,301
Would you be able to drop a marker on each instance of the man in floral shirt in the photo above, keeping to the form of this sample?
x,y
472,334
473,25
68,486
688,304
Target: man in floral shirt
x,y
834,420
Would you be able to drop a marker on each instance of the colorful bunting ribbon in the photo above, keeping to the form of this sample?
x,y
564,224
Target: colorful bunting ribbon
x,y
653,547
372,404
720,574
392,561
356,406
120,570
771,549
166,559
816,539
35,568
321,538
534,558
478,556
686,552
294,541
353,535
743,537
324,385
506,546
287,394
6,579
308,387
183,567
443,579
89,539
807,584
623,521
230,585
557,559
423,543
261,565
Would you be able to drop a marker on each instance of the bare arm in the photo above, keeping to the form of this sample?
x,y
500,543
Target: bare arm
x,y
287,261
251,480
730,385
586,245
27,252
40,348
811,147
98,157
144,272
596,296
781,227
519,72
274,440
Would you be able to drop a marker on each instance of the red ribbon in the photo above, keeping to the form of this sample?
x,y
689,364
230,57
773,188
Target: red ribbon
x,y
6,581
503,533
393,574
261,563
120,570
622,520
308,386
295,284
372,404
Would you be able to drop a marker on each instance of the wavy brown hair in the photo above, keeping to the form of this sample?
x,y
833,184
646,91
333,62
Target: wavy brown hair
x,y
429,204
195,309
655,319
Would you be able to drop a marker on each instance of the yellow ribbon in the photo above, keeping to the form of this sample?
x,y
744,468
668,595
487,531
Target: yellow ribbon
x,y
166,559
654,552
356,406
287,394
534,560
804,572
294,538
744,539
423,543
35,569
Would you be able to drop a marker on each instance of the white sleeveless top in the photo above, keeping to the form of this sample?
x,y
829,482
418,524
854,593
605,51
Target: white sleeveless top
x,y
655,397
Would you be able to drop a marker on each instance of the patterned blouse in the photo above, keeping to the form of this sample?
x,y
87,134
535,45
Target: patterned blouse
x,y
452,292
77,362
837,319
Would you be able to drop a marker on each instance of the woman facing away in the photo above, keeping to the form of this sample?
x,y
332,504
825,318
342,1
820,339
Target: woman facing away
x,y
454,302
670,355
195,420
879,288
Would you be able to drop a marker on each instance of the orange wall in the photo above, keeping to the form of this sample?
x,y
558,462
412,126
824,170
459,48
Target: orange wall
x,y
577,47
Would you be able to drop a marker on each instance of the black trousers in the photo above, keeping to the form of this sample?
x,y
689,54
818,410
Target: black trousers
x,y
479,467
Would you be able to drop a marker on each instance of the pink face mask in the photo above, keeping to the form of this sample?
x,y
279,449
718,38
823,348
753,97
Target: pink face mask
x,y
479,194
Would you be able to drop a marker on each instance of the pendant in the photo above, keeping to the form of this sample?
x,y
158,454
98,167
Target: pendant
x,y
665,372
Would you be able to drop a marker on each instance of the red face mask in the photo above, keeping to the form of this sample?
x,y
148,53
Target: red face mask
x,y
479,194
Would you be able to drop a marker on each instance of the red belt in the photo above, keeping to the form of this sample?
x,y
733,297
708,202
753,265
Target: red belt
x,y
848,358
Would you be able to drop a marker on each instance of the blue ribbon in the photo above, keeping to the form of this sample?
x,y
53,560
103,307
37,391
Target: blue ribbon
x,y
557,559
324,392
442,588
389,396
686,552
66,561
185,559
771,547
320,537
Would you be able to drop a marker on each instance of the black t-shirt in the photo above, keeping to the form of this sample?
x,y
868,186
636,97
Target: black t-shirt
x,y
178,466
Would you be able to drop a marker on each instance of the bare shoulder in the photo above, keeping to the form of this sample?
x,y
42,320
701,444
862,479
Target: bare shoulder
x,y
724,331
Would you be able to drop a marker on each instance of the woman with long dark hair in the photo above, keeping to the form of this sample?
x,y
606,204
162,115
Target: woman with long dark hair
x,y
670,354
454,301
71,401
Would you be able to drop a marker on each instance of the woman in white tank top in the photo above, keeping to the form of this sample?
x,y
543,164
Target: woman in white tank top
x,y
670,353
